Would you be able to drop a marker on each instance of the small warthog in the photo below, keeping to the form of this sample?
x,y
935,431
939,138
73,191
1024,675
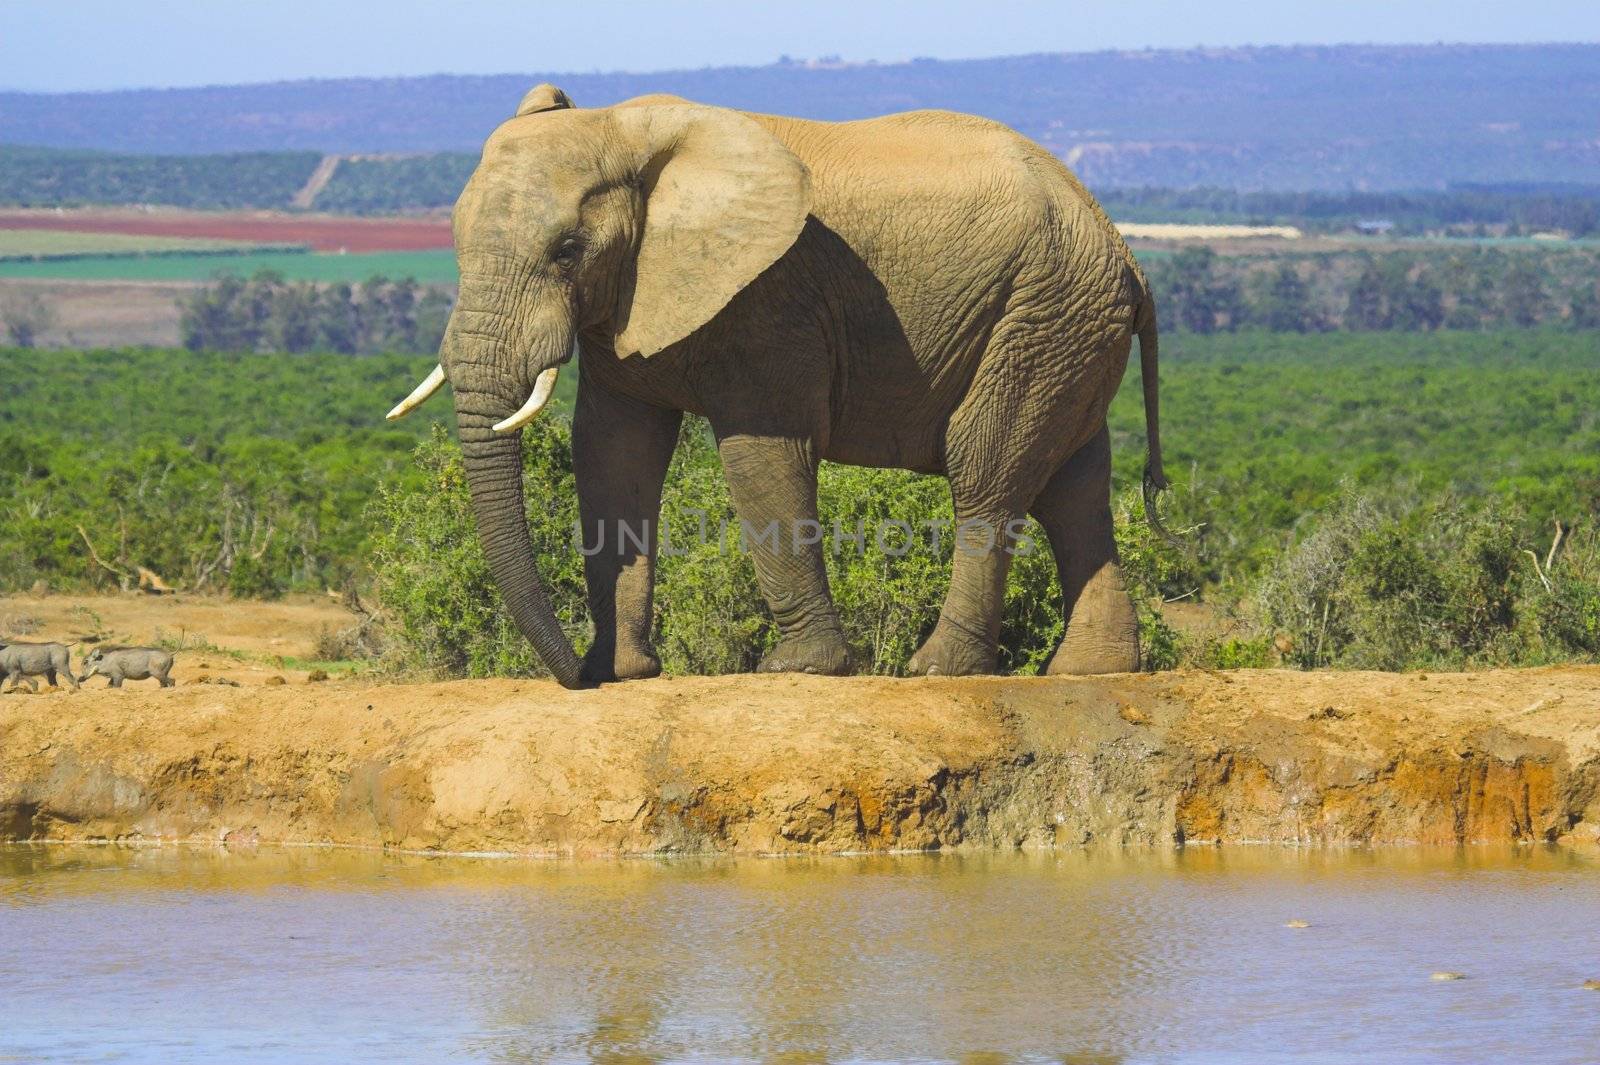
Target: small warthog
x,y
24,661
118,664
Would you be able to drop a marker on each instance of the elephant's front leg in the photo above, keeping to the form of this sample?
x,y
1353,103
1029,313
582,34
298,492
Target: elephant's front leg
x,y
620,450
773,481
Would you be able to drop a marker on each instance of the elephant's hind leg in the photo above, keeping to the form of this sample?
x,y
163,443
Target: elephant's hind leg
x,y
1041,389
773,481
1102,632
991,459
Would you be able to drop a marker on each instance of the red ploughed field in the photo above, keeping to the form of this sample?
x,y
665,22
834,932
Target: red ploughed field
x,y
323,233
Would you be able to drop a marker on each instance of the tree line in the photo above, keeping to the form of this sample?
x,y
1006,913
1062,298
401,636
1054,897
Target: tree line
x,y
268,313
1200,291
1197,290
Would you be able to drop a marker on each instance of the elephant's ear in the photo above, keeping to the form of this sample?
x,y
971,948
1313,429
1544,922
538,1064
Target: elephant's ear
x,y
544,97
724,199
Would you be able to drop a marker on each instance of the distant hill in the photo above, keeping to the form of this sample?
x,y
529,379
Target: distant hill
x,y
1380,117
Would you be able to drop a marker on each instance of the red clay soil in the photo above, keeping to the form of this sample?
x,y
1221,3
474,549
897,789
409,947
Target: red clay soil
x,y
325,233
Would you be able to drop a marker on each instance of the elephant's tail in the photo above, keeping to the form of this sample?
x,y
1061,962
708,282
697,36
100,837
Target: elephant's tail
x,y
1155,479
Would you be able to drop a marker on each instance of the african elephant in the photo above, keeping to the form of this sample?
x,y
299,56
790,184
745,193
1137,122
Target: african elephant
x,y
929,291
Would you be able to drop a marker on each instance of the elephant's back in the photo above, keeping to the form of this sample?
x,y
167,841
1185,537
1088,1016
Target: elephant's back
x,y
949,160
899,183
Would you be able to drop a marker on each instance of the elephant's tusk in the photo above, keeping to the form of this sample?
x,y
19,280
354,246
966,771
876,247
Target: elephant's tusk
x,y
543,386
419,395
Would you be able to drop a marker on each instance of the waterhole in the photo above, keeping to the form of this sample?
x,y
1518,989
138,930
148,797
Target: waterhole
x,y
1199,955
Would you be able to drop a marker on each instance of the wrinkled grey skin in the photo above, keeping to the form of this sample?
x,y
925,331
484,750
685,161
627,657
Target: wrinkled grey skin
x,y
118,664
24,661
927,291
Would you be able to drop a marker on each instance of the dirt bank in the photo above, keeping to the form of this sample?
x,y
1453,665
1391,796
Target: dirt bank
x,y
796,764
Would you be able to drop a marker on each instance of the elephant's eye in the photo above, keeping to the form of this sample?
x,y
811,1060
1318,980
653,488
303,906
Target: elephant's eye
x,y
568,251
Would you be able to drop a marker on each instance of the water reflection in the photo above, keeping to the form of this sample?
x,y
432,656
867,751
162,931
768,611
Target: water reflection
x,y
176,955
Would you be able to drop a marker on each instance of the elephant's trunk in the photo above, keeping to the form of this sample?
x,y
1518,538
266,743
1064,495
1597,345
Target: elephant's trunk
x,y
494,474
493,462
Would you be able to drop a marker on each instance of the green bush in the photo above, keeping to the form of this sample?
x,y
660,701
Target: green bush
x,y
1400,583
1566,616
253,516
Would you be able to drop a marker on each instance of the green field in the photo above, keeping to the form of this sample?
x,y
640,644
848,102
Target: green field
x,y
45,244
428,267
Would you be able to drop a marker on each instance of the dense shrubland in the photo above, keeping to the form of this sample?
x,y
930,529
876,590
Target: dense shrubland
x,y
1391,580
1381,581
387,185
239,473
54,177
1348,500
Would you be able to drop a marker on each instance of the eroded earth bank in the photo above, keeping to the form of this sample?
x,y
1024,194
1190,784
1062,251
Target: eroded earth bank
x,y
795,764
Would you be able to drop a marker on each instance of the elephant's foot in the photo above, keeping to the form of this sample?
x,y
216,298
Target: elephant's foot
x,y
1103,634
953,651
826,654
624,663
1083,658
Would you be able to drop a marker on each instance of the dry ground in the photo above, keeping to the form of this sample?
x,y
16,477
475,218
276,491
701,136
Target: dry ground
x,y
106,314
244,641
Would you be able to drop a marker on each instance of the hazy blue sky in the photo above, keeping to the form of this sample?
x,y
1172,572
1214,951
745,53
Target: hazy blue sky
x,y
58,45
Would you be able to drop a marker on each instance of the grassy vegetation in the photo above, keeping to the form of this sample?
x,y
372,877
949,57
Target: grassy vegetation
x,y
1362,499
428,267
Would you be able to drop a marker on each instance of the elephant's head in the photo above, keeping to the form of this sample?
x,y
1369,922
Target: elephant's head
x,y
638,223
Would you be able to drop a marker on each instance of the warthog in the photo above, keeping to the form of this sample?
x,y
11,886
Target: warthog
x,y
118,664
24,661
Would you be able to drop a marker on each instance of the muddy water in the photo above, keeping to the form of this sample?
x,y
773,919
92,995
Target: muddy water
x,y
177,955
